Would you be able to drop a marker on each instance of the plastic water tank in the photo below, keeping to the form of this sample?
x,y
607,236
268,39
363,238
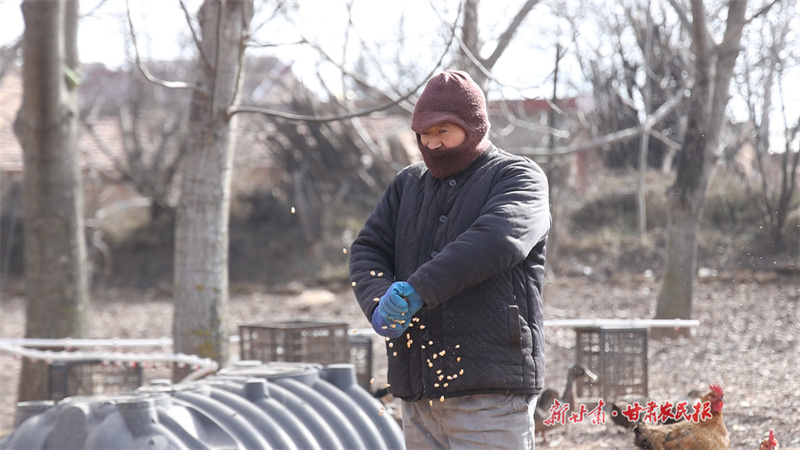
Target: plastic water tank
x,y
248,406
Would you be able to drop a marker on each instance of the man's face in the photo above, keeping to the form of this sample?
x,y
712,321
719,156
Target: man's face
x,y
444,135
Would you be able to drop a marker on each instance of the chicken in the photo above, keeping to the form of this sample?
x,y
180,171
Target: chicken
x,y
616,408
705,431
769,443
569,398
542,412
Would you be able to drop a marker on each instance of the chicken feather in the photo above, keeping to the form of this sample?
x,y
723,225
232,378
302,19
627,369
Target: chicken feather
x,y
709,434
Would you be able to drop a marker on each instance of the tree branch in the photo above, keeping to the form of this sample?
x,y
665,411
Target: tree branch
x,y
148,76
686,23
609,139
8,55
94,9
195,38
737,31
486,71
235,109
507,35
358,78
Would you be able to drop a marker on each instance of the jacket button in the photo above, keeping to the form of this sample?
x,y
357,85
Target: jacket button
x,y
452,183
442,218
434,253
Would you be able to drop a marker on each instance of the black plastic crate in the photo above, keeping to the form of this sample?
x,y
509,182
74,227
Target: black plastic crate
x,y
295,341
361,355
618,356
90,377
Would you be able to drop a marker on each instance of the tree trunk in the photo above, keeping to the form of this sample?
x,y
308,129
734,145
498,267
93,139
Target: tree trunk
x,y
675,300
201,234
469,36
46,126
696,161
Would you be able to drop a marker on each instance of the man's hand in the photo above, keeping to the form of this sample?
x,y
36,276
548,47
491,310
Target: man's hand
x,y
405,290
392,316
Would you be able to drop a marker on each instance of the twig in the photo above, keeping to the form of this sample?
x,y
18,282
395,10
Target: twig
x,y
195,38
235,109
148,76
609,139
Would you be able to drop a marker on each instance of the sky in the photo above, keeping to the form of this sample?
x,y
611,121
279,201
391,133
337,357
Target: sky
x,y
160,24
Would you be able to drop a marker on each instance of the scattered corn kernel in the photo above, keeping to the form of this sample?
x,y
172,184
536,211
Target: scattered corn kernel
x,y
441,399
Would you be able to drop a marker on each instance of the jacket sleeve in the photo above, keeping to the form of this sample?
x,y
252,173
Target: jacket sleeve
x,y
372,252
515,217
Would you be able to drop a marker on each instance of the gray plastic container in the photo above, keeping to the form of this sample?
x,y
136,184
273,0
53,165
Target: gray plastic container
x,y
248,406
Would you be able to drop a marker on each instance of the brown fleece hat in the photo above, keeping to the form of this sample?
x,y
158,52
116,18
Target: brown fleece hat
x,y
452,96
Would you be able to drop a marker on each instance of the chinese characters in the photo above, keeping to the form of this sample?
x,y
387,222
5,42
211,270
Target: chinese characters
x,y
651,412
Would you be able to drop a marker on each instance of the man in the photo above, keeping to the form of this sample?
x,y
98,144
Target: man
x,y
449,268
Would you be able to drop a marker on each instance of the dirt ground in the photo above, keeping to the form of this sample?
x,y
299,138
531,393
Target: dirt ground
x,y
748,342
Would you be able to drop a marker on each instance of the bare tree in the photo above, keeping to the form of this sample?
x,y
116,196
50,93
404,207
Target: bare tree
x,y
152,132
46,126
713,70
771,50
201,235
8,56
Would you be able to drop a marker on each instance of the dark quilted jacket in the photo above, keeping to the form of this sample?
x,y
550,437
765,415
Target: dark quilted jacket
x,y
473,245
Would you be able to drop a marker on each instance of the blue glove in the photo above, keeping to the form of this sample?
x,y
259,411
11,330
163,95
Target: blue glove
x,y
384,327
393,308
406,291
